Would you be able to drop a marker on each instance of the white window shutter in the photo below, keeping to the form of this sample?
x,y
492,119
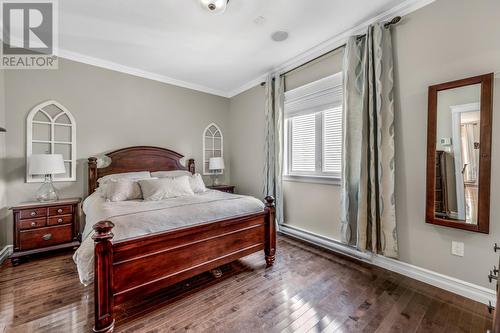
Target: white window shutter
x,y
332,140
314,128
303,141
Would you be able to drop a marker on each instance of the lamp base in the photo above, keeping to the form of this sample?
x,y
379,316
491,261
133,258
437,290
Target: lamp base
x,y
215,180
47,192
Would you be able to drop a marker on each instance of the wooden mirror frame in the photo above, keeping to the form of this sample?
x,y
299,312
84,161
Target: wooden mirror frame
x,y
483,217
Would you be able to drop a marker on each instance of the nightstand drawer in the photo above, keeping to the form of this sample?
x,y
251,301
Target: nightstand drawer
x,y
60,210
33,223
32,213
56,220
42,237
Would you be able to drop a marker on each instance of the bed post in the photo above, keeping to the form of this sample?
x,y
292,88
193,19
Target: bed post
x,y
270,245
92,163
103,277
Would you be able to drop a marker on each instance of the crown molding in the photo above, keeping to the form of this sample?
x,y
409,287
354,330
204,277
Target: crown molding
x,y
78,57
402,9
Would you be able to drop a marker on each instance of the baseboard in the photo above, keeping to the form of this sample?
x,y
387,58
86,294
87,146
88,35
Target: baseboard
x,y
5,253
323,242
457,286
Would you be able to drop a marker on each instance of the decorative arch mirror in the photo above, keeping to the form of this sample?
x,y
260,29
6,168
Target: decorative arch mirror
x,y
213,146
459,153
51,129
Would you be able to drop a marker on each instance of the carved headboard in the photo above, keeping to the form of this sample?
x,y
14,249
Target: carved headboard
x,y
140,158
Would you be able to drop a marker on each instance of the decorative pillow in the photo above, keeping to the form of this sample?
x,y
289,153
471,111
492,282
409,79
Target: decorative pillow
x,y
197,184
170,174
165,188
122,189
103,181
127,175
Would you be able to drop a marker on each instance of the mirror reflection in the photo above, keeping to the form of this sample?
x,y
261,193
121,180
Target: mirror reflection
x,y
457,154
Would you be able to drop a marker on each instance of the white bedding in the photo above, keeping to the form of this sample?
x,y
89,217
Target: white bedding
x,y
136,217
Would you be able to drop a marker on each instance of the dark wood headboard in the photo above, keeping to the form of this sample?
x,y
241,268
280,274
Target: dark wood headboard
x,y
140,158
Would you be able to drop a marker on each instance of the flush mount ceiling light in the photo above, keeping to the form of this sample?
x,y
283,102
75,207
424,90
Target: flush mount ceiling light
x,y
215,6
279,36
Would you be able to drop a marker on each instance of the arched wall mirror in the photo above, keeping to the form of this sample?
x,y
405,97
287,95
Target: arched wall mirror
x,y
213,146
459,153
51,129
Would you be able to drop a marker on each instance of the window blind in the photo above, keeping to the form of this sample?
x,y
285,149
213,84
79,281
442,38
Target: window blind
x,y
303,130
313,130
332,140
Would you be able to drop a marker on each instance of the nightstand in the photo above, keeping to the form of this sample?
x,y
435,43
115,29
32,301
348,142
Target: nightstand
x,y
223,188
45,226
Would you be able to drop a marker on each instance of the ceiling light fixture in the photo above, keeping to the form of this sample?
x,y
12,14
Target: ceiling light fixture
x,y
215,6
279,36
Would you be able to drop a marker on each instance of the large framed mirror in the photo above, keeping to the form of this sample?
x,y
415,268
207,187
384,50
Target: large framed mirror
x,y
459,153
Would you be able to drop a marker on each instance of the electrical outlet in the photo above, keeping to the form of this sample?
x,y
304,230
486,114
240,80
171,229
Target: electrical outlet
x,y
457,248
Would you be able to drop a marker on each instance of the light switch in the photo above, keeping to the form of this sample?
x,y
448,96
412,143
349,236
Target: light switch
x,y
457,248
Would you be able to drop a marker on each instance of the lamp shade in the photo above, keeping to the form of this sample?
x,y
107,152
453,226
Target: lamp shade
x,y
216,163
46,164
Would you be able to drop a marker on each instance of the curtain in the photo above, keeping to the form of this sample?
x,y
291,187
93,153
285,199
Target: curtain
x,y
470,151
273,161
368,215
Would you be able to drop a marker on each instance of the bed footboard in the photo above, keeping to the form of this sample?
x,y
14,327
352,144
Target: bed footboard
x,y
142,265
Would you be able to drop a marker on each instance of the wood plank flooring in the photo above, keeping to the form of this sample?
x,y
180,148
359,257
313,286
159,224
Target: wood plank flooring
x,y
308,290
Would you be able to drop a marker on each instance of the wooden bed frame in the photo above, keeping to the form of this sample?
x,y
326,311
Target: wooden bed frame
x,y
142,265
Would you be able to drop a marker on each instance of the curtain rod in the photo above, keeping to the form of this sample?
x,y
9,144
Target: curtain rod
x,y
394,21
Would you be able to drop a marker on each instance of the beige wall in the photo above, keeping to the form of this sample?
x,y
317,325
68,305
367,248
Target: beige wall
x,y
447,40
112,110
313,207
246,123
318,69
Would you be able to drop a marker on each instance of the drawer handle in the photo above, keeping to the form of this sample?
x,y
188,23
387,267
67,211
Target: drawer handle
x,y
46,237
59,210
33,224
59,220
33,213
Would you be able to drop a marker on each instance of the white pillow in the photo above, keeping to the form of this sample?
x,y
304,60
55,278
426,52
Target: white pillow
x,y
197,184
103,181
122,189
165,188
128,175
170,174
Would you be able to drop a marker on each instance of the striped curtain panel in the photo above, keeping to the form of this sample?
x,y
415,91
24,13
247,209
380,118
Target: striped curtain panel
x,y
273,150
368,212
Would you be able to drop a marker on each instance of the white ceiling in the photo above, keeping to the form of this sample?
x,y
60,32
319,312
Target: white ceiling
x,y
178,41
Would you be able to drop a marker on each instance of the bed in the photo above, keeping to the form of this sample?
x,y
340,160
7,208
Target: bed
x,y
128,267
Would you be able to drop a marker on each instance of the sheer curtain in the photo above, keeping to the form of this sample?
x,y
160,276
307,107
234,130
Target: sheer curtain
x,y
368,216
273,150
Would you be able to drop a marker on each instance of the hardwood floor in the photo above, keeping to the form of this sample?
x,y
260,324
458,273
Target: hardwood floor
x,y
308,290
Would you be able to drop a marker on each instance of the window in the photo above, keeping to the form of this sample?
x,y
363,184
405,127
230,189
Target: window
x,y
51,129
213,146
313,129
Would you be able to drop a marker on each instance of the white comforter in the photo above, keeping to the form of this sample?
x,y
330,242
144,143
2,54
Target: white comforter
x,y
135,218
